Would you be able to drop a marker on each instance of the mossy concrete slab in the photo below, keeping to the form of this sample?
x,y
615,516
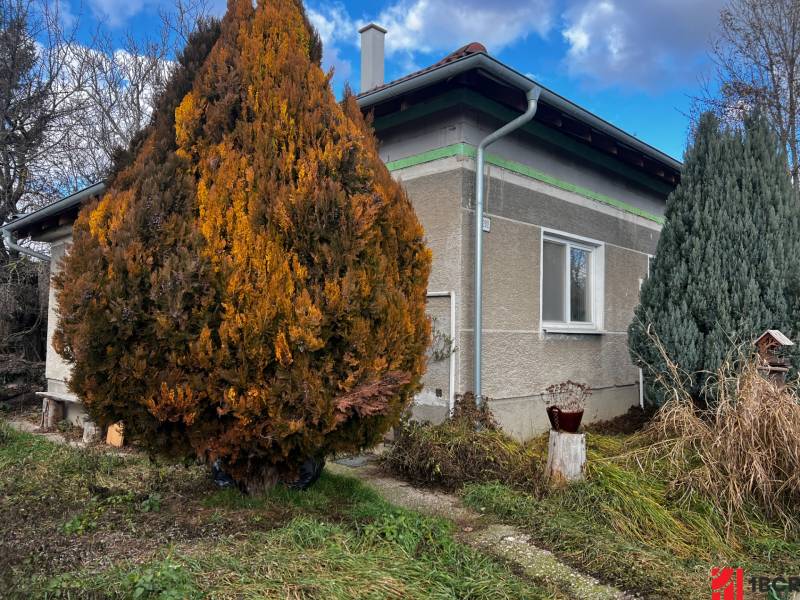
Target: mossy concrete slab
x,y
542,566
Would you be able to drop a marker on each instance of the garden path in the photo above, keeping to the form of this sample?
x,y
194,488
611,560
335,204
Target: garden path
x,y
506,542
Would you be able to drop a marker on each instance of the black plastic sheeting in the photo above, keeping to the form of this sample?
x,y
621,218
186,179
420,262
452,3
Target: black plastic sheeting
x,y
220,477
310,472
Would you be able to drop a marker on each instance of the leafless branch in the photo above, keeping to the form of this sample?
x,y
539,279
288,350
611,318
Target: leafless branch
x,y
757,67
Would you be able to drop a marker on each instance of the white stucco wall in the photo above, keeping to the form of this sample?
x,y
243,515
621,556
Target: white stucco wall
x,y
57,370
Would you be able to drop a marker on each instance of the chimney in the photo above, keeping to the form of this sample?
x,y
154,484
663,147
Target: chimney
x,y
371,56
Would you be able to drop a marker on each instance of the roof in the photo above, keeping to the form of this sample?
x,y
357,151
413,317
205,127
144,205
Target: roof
x,y
469,57
474,57
777,335
464,51
59,213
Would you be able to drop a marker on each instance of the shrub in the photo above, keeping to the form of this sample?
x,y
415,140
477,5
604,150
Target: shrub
x,y
252,286
467,411
456,452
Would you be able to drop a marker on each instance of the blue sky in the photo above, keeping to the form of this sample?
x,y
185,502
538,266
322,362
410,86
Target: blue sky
x,y
636,63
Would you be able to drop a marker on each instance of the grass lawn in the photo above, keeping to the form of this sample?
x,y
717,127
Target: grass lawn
x,y
85,524
631,530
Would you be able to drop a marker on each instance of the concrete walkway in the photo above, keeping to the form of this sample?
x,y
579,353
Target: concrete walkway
x,y
503,541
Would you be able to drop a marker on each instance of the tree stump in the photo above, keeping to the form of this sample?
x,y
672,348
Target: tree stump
x,y
52,413
91,432
566,457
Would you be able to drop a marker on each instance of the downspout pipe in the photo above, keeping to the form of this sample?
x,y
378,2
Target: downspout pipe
x,y
532,94
12,245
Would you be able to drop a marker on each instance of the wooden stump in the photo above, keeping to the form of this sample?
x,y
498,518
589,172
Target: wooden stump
x,y
52,413
91,432
566,457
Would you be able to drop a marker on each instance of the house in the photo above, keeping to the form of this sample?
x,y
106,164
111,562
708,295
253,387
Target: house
x,y
572,211
573,208
53,224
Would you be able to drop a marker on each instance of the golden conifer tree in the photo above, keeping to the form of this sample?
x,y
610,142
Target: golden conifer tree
x,y
252,287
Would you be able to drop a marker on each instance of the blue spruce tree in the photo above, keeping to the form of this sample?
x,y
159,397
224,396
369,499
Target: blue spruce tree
x,y
725,268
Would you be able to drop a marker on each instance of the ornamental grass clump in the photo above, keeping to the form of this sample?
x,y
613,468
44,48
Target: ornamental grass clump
x,y
742,454
251,288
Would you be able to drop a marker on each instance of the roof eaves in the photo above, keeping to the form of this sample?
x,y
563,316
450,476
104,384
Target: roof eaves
x,y
445,70
54,208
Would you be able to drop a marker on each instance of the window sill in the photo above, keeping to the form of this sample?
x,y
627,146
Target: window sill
x,y
573,330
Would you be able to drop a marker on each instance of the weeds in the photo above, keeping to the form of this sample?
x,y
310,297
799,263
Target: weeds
x,y
141,530
165,580
456,452
577,534
627,525
663,501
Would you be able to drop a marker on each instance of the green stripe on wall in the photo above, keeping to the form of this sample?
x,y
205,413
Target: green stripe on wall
x,y
461,149
465,150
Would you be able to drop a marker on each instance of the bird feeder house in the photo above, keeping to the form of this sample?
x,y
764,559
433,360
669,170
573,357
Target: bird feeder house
x,y
771,347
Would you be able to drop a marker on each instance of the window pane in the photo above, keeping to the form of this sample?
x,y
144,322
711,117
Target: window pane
x,y
580,285
553,281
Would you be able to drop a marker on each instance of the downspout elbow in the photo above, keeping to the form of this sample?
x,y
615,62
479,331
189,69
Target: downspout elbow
x,y
532,95
12,245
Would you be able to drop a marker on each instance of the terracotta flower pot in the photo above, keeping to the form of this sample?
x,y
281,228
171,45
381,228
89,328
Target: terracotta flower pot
x,y
562,420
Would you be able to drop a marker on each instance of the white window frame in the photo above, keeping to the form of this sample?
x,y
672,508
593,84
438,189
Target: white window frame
x,y
596,277
650,258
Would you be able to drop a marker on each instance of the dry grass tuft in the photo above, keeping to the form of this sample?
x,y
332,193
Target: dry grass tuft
x,y
456,452
742,454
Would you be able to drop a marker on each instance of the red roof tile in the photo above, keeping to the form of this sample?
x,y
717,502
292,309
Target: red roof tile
x,y
471,48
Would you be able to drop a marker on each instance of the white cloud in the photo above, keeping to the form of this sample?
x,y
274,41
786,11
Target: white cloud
x,y
429,26
335,27
420,31
650,44
333,23
117,12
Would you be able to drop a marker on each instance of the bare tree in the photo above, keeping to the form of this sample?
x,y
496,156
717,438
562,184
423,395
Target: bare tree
x,y
23,298
182,20
65,110
115,89
34,52
757,58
